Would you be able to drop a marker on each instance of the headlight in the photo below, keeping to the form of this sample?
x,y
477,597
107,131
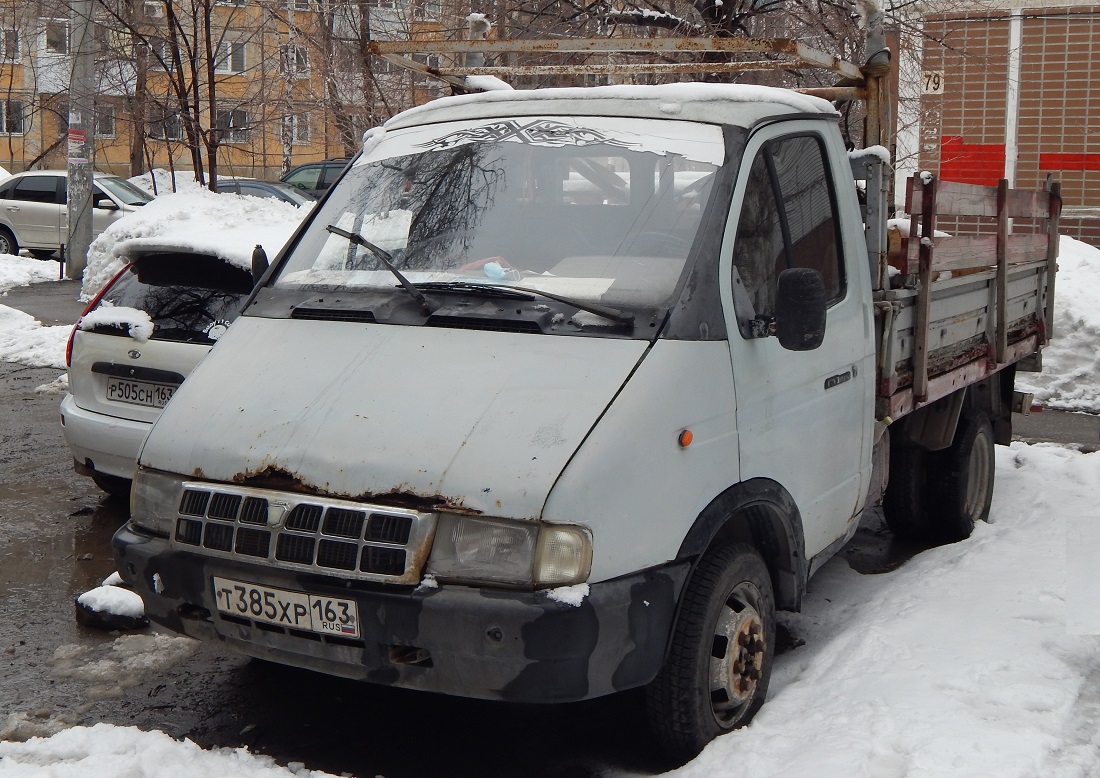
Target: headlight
x,y
479,550
154,501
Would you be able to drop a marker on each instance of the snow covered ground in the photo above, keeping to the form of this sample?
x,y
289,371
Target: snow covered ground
x,y
975,659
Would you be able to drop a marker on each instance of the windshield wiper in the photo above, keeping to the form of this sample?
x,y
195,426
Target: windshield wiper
x,y
486,290
386,259
507,290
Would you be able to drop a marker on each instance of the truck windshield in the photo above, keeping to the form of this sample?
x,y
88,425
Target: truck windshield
x,y
592,208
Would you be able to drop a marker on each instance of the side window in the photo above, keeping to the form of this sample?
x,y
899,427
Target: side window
x,y
37,189
332,172
305,178
253,191
788,220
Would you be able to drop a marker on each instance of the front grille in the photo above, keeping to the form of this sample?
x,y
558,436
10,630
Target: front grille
x,y
299,532
344,523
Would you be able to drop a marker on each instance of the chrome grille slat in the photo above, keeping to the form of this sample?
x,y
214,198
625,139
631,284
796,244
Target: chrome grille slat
x,y
304,533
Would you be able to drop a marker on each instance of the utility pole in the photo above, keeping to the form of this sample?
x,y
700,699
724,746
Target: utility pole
x,y
81,138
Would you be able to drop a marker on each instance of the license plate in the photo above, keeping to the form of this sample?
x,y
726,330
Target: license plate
x,y
294,610
146,393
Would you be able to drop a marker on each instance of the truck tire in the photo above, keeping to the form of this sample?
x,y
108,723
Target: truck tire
x,y
719,663
961,478
904,505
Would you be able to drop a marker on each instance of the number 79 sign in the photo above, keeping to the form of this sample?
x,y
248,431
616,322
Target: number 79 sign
x,y
932,82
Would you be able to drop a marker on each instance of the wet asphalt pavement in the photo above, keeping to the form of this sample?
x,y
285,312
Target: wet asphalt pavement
x,y
55,530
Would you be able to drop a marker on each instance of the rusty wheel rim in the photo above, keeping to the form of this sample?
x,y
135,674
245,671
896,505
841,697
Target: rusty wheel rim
x,y
738,652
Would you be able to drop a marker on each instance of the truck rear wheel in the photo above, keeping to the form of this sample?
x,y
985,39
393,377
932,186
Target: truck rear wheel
x,y
719,664
962,478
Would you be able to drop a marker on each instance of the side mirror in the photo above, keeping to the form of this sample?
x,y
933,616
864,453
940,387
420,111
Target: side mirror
x,y
800,306
104,203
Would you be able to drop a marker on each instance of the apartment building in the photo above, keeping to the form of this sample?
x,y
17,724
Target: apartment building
x,y
272,83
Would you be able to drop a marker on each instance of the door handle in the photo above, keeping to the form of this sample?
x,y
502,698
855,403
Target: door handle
x,y
840,378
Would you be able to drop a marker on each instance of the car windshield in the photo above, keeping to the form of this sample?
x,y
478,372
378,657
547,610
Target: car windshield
x,y
592,208
124,191
190,298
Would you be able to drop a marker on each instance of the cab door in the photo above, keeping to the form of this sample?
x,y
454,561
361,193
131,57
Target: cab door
x,y
804,418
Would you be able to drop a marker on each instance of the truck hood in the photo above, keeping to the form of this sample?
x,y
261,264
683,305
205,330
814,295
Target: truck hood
x,y
477,421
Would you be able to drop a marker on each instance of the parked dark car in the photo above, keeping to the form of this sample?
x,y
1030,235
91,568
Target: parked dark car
x,y
256,188
315,177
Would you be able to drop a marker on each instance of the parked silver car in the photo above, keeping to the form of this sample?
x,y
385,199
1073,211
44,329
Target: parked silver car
x,y
120,375
33,213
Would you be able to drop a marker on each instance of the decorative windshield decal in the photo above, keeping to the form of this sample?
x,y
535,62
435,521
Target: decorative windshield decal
x,y
540,132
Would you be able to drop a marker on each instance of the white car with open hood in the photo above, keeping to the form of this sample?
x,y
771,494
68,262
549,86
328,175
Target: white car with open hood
x,y
562,393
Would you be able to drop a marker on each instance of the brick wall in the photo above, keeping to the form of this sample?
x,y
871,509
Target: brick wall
x,y
964,131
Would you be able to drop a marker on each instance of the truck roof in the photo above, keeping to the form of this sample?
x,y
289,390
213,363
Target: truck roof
x,y
741,105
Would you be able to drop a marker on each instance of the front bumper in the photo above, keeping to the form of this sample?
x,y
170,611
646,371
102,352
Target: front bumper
x,y
109,443
458,640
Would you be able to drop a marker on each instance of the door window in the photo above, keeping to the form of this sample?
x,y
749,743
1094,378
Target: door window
x,y
788,219
37,189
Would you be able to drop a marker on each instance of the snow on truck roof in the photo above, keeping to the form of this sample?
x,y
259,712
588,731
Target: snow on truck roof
x,y
737,104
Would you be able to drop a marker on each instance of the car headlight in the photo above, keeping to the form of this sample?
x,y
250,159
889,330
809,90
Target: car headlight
x,y
154,501
473,549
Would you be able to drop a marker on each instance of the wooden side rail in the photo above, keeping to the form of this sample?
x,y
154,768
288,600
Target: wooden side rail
x,y
928,199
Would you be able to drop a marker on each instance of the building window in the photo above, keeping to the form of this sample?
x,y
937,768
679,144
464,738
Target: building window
x,y
299,5
230,58
296,129
153,10
166,125
233,125
105,121
162,52
57,36
11,117
60,111
429,60
295,60
426,9
9,44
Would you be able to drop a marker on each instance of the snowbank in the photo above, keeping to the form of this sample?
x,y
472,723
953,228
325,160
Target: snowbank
x,y
24,340
1071,363
198,220
106,750
160,181
22,271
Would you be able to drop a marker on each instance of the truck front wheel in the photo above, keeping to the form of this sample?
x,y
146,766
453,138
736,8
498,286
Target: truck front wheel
x,y
719,664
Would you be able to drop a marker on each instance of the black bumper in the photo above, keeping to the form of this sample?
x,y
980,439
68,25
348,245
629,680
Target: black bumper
x,y
458,640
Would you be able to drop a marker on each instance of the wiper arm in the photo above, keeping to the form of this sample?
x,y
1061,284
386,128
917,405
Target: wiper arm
x,y
487,290
386,259
607,312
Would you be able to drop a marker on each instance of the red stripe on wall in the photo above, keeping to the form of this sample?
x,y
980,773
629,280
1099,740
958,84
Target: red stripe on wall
x,y
1053,161
971,163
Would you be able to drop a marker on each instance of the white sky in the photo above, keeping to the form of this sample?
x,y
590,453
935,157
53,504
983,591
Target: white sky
x,y
967,661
